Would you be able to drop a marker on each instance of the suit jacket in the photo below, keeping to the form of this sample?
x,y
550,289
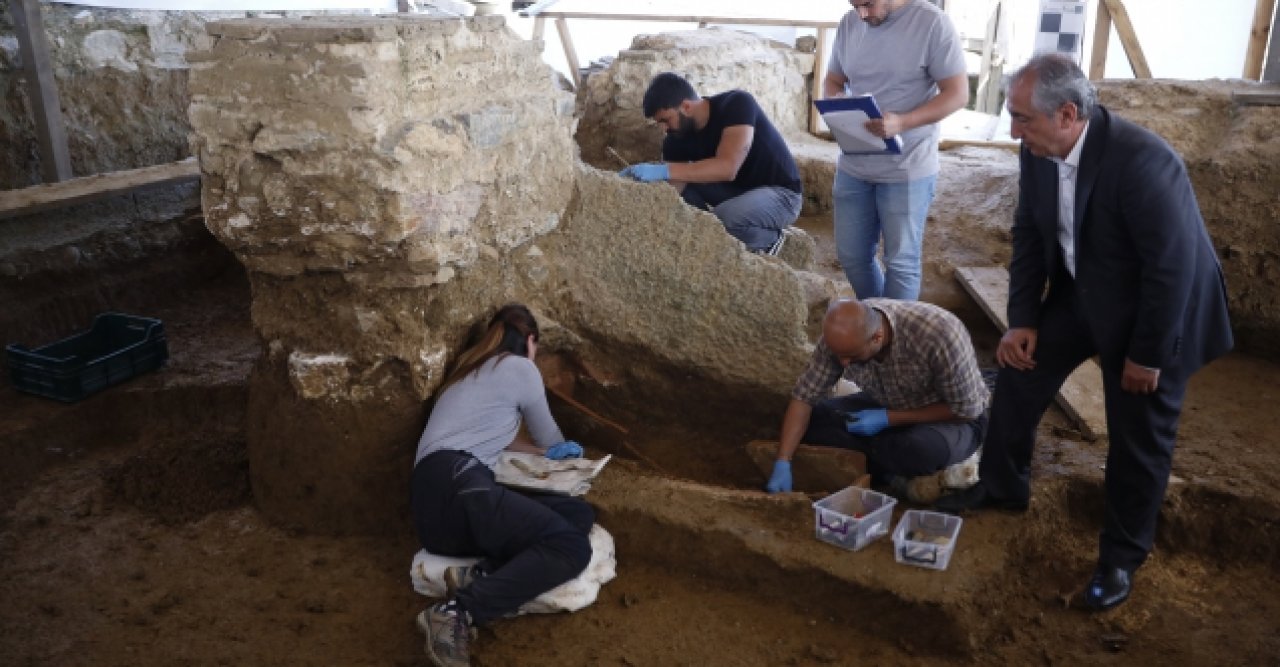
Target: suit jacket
x,y
1147,278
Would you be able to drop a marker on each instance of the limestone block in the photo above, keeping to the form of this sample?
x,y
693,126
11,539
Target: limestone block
x,y
336,119
650,273
798,249
319,375
108,48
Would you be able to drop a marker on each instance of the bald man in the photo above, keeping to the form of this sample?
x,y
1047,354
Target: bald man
x,y
922,402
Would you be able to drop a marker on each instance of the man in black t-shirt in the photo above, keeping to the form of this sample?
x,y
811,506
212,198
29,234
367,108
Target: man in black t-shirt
x,y
724,156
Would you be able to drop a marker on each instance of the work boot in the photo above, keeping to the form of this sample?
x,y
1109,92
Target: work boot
x,y
458,577
448,630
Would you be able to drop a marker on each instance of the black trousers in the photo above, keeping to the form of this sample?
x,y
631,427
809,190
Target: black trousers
x,y
528,543
1141,429
908,451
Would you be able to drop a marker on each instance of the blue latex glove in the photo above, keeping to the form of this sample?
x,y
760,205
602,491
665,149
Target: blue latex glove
x,y
565,450
780,480
647,172
867,422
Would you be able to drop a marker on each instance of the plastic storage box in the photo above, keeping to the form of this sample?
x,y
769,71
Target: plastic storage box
x,y
851,518
926,539
117,348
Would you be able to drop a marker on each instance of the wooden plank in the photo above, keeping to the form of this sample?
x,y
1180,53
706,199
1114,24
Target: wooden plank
x,y
79,190
696,18
1081,395
537,8
1256,98
539,28
988,92
570,53
1101,39
948,144
42,90
819,74
1129,39
1258,34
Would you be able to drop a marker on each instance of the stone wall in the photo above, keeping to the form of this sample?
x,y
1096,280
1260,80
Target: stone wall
x,y
713,60
122,80
1233,157
389,181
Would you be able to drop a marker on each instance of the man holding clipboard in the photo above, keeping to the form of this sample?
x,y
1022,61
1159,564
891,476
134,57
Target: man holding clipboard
x,y
906,55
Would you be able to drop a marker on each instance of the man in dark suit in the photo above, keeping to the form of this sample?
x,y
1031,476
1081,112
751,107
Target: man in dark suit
x,y
1106,218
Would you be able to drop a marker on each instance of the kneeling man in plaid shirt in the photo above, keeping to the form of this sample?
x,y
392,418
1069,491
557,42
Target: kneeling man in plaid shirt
x,y
921,400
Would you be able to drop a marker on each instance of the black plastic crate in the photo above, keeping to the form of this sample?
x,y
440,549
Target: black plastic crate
x,y
117,348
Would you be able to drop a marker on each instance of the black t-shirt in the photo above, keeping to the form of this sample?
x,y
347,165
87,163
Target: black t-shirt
x,y
769,161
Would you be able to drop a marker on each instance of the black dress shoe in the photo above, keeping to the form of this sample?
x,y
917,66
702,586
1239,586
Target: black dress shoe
x,y
976,497
1108,587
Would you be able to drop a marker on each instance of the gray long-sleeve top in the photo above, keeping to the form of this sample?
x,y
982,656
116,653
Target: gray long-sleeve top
x,y
480,414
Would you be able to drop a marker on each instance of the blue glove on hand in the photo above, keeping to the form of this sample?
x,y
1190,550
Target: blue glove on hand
x,y
565,450
867,422
780,480
647,172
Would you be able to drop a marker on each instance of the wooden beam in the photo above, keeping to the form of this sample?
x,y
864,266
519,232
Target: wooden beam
x,y
992,67
42,89
695,18
1101,39
570,53
539,28
819,74
537,8
1256,98
1258,38
1128,39
37,198
1081,395
1271,69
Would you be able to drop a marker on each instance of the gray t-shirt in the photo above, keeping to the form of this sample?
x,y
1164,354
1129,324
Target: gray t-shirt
x,y
480,414
899,62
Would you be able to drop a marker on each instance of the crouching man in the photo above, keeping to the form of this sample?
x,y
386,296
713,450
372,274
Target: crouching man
x,y
922,401
724,156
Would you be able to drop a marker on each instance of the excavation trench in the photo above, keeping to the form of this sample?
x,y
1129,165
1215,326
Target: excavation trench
x,y
711,571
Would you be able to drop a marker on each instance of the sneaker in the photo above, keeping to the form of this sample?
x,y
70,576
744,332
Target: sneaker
x,y
458,577
448,634
964,474
773,250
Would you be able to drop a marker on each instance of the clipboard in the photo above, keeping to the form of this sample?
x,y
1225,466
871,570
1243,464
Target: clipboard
x,y
846,117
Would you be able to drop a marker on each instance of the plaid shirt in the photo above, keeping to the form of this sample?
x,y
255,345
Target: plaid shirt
x,y
930,360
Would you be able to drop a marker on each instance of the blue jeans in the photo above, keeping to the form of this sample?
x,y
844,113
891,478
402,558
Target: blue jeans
x,y
756,216
863,212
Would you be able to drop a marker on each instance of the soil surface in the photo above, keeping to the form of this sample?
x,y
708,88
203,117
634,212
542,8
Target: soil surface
x,y
128,537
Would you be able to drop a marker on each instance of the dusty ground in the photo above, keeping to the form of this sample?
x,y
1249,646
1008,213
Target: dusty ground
x,y
128,537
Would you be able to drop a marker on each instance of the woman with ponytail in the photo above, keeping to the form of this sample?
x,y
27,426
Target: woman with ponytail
x,y
528,543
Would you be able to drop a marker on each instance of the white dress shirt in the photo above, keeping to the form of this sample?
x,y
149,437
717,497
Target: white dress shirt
x,y
1067,171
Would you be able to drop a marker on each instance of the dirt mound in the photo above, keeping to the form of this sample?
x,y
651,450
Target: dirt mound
x,y
183,480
